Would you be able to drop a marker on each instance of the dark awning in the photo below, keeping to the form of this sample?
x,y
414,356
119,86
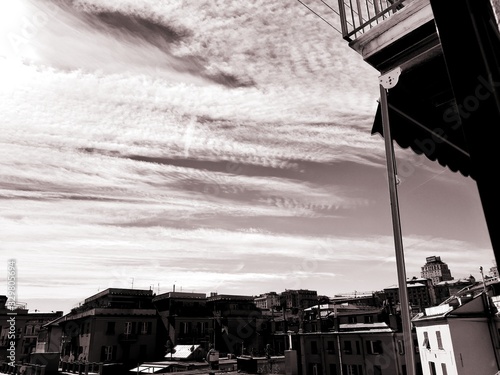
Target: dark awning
x,y
423,116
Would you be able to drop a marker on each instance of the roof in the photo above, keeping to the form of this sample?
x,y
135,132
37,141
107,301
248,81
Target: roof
x,y
180,295
467,306
120,292
230,297
363,326
183,351
412,285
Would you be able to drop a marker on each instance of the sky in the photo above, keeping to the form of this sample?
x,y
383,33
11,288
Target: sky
x,y
215,146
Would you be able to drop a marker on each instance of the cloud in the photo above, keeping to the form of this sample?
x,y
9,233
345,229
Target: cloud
x,y
220,145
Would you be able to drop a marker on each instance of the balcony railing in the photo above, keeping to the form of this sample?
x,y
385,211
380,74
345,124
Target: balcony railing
x,y
359,16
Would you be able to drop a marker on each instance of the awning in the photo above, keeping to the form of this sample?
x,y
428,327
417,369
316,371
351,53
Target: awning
x,y
423,116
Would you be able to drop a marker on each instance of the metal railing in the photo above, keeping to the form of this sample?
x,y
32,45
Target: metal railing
x,y
358,16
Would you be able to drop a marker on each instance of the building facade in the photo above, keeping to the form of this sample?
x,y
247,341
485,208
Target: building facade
x,y
460,337
116,326
186,317
348,339
436,270
237,324
27,326
421,294
267,301
299,298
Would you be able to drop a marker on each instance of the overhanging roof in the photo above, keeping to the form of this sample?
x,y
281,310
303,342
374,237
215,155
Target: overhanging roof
x,y
423,117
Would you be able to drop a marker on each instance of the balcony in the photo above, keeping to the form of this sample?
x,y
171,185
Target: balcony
x,y
358,16
436,104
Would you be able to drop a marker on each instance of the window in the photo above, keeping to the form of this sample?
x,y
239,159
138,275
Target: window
x,y
352,369
314,369
432,368
443,369
333,369
108,353
110,329
29,330
374,347
377,370
426,344
351,319
314,347
347,347
358,348
368,319
439,340
401,347
146,328
128,328
185,328
330,347
203,327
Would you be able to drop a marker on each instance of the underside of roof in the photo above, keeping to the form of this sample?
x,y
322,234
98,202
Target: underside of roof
x,y
423,116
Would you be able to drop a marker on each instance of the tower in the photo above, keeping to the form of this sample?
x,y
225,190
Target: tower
x,y
436,270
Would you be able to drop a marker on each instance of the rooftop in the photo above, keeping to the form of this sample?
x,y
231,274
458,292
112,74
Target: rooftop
x,y
120,292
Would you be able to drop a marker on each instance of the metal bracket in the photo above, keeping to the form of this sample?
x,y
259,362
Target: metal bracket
x,y
390,79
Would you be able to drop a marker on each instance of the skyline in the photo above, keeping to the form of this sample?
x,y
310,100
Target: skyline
x,y
218,147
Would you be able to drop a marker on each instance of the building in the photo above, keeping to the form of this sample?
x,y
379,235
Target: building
x,y
375,299
237,324
461,336
115,326
348,339
186,317
366,350
420,294
27,326
446,289
299,298
436,270
494,272
267,301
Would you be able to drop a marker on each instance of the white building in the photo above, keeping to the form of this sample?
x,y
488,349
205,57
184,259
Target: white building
x,y
459,337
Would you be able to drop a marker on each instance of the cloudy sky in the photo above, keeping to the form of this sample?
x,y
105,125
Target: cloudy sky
x,y
218,146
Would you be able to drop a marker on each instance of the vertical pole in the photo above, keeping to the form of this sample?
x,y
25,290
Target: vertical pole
x,y
343,18
398,238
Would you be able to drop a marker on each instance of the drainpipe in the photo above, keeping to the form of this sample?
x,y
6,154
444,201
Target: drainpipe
x,y
340,354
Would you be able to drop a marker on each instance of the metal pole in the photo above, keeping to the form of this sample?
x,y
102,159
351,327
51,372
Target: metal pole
x,y
398,238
